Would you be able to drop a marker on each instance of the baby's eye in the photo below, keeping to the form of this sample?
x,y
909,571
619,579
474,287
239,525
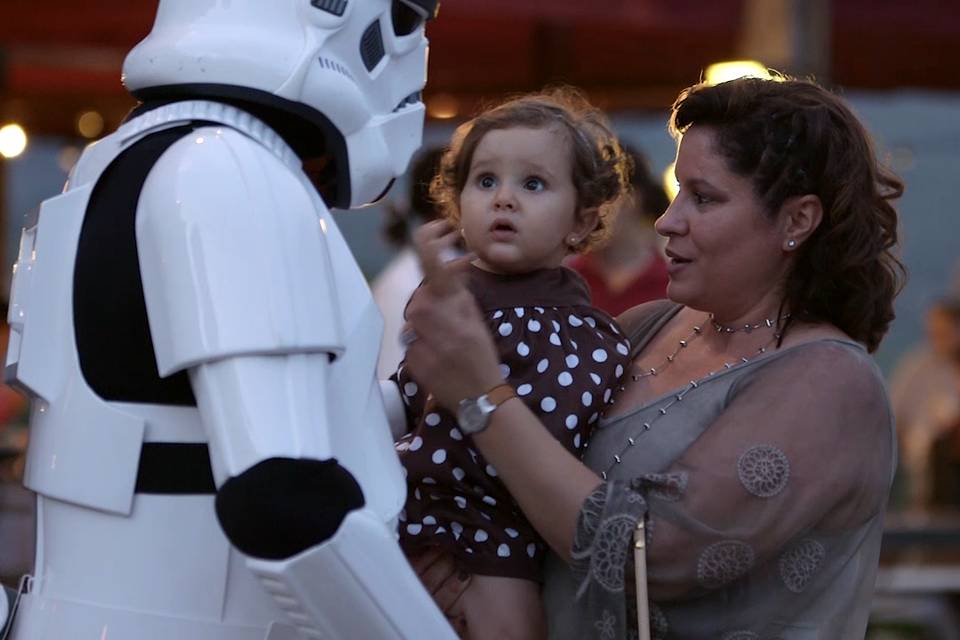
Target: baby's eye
x,y
701,198
534,184
486,181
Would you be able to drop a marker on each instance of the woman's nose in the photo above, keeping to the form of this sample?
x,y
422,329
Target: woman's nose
x,y
671,222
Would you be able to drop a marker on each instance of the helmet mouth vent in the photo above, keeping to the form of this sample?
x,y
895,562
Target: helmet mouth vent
x,y
413,98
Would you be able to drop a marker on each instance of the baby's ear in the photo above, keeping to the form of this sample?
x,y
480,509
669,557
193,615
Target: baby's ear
x,y
586,222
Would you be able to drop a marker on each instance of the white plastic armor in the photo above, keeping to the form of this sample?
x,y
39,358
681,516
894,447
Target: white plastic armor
x,y
251,291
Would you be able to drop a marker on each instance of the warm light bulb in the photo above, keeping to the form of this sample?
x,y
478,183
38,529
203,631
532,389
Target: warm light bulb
x,y
13,140
670,181
90,124
443,106
725,71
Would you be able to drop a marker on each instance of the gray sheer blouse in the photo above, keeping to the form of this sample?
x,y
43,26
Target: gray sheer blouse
x,y
764,488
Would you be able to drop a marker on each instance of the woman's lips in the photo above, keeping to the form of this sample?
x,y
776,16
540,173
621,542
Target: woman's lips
x,y
675,262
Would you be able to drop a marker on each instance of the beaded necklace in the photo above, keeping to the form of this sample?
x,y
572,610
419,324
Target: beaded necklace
x,y
693,384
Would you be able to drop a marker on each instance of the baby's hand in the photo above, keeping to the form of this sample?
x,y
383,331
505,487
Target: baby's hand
x,y
445,583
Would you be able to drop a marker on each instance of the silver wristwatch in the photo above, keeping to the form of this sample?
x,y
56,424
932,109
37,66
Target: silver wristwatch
x,y
473,414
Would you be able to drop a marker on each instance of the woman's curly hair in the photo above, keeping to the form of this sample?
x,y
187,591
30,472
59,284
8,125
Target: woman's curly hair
x,y
600,166
790,138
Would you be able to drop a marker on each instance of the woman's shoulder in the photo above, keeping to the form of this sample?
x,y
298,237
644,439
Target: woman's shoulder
x,y
828,365
645,319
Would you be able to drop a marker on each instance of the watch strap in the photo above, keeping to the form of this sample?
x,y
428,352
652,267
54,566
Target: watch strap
x,y
500,394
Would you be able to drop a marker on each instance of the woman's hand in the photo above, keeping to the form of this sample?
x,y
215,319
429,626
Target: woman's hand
x,y
445,583
450,352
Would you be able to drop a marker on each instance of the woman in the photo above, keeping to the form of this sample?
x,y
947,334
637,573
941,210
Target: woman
x,y
753,433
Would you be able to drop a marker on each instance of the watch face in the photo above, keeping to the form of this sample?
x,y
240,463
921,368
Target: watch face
x,y
471,416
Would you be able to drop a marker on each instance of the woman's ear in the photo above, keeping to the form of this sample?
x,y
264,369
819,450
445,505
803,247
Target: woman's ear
x,y
586,221
801,216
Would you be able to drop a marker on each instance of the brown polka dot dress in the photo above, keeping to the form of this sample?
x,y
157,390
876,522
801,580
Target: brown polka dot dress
x,y
564,358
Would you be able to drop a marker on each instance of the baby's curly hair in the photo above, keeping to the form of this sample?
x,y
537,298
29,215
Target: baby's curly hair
x,y
601,169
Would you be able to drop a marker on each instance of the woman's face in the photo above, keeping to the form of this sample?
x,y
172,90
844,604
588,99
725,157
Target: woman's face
x,y
725,253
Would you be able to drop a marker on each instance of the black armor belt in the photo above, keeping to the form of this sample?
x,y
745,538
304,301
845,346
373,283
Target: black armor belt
x,y
180,468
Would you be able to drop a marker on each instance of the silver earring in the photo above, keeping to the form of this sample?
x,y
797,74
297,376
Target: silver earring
x,y
572,241
791,244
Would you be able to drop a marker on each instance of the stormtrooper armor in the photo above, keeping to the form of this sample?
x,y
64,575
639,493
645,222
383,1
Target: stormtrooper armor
x,y
209,445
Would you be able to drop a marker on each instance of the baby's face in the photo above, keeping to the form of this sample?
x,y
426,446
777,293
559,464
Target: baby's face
x,y
518,208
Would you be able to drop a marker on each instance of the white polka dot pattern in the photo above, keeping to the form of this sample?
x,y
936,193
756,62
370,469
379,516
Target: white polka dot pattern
x,y
564,385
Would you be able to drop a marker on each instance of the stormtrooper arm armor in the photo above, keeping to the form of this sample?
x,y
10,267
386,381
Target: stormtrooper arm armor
x,y
241,293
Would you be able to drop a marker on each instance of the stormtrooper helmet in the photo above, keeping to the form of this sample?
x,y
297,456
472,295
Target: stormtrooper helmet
x,y
340,80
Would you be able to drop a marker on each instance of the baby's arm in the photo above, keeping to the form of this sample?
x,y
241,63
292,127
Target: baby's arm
x,y
396,412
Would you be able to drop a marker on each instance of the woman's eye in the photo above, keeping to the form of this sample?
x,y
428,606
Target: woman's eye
x,y
534,184
700,198
486,182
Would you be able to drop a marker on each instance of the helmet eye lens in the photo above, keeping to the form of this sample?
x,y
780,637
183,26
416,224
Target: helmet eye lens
x,y
336,7
405,19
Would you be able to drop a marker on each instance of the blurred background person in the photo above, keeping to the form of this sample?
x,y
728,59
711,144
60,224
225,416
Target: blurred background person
x,y
925,394
629,267
394,284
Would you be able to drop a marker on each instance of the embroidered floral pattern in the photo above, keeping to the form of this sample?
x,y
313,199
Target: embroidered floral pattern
x,y
723,562
763,470
606,626
800,563
665,486
610,549
658,623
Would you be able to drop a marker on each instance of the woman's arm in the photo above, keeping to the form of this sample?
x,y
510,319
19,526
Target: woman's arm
x,y
455,358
